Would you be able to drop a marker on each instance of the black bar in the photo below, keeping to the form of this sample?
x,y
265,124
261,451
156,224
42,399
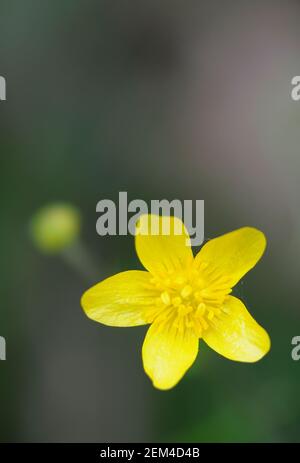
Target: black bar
x,y
119,452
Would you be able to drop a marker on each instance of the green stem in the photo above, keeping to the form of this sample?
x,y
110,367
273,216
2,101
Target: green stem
x,y
79,259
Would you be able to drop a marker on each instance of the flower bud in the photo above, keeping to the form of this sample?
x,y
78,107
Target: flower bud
x,y
55,227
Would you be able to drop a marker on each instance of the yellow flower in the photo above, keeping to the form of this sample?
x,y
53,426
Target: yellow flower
x,y
185,298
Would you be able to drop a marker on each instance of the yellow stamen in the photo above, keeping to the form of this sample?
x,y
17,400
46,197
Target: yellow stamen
x,y
210,315
201,309
186,291
165,297
204,324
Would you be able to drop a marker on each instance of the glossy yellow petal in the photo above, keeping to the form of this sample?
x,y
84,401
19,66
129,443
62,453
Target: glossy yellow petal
x,y
236,335
168,352
162,244
121,300
235,253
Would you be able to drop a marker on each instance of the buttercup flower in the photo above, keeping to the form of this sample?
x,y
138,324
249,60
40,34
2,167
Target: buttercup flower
x,y
184,298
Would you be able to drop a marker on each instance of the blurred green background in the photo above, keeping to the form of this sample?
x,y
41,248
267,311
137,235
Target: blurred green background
x,y
162,99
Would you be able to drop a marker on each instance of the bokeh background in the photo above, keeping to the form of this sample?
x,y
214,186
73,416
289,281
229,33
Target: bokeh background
x,y
162,99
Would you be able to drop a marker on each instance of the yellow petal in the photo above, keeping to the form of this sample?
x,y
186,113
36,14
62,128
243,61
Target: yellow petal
x,y
168,352
235,253
236,335
121,300
162,244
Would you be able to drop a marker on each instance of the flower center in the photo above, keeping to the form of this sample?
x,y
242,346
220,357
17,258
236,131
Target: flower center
x,y
191,299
